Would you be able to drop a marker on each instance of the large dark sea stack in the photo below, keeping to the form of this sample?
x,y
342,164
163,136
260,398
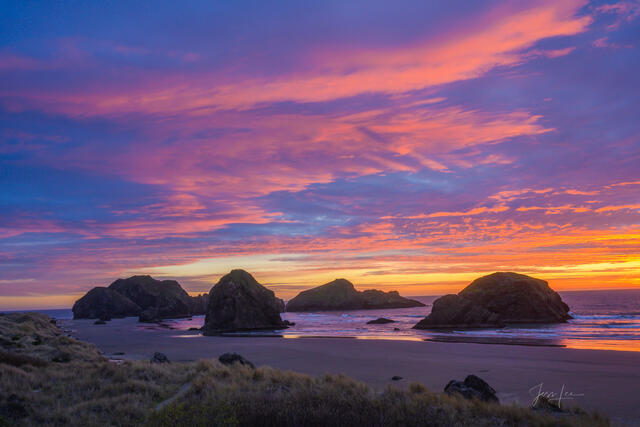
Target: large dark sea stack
x,y
239,303
101,302
158,299
496,300
150,299
342,295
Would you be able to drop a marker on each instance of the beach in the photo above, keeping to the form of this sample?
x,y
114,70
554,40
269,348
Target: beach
x,y
600,380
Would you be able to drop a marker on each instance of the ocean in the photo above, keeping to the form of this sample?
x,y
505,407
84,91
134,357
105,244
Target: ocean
x,y
607,320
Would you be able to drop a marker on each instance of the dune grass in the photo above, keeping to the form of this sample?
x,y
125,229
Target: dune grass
x,y
86,389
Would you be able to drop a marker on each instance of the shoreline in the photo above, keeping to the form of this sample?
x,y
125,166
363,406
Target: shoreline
x,y
513,370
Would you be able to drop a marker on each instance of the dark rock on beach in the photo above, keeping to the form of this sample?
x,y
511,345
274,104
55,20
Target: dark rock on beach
x,y
380,321
160,299
150,315
453,311
472,387
543,403
239,303
342,295
101,302
232,358
159,358
199,304
495,300
150,299
517,298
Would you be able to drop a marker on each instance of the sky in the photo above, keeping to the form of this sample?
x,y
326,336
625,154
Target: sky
x,y
410,145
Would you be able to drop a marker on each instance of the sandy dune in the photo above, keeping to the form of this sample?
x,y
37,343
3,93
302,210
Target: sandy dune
x,y
606,381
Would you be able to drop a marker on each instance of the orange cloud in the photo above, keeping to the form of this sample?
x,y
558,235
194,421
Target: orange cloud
x,y
617,208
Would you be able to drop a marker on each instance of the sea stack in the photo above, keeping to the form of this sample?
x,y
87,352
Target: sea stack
x,y
495,300
239,303
340,294
150,299
102,302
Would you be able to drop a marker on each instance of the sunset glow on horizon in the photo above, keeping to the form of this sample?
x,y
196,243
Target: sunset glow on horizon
x,y
413,149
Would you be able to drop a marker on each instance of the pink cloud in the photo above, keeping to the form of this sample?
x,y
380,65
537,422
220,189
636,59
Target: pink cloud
x,y
499,40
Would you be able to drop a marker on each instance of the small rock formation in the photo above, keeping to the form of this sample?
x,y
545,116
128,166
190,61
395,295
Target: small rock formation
x,y
472,387
239,303
342,295
495,300
159,358
103,302
453,311
396,378
150,299
543,403
231,358
199,304
150,315
99,322
380,321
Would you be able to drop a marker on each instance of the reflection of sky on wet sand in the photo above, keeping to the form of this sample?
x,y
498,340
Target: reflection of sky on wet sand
x,y
599,323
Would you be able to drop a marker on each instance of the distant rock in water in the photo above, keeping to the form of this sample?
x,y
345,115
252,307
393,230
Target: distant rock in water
x,y
101,302
199,304
380,321
454,311
496,300
342,295
150,299
239,303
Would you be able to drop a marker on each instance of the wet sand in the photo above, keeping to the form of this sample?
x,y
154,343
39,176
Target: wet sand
x,y
606,381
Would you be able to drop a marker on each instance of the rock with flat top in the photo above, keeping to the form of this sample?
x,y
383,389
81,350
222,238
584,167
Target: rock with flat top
x,y
162,299
340,294
380,321
143,296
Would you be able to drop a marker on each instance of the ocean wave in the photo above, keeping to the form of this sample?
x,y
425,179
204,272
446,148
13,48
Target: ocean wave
x,y
606,316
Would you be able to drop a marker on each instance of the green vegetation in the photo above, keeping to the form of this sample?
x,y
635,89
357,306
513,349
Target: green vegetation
x,y
87,389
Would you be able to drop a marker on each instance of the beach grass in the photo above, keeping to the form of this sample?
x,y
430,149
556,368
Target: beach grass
x,y
86,389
